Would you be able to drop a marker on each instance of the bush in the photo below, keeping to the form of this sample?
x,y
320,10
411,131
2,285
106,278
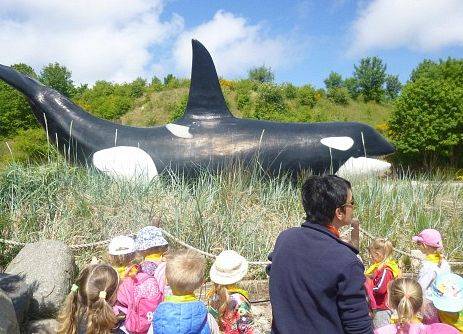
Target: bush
x,y
270,104
339,95
177,109
28,145
261,74
289,90
427,123
306,96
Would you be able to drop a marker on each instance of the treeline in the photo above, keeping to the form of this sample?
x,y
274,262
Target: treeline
x,y
426,124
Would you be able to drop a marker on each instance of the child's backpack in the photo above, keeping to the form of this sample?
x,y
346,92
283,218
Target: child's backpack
x,y
141,295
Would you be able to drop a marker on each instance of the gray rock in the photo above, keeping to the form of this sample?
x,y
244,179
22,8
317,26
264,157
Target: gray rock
x,y
19,292
8,322
48,268
45,326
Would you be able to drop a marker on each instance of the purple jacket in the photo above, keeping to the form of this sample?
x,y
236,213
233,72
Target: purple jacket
x,y
316,284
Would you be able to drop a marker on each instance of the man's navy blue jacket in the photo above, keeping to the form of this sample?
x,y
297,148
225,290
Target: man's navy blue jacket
x,y
316,284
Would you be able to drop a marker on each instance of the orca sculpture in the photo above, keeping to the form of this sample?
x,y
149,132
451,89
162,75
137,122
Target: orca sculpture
x,y
207,137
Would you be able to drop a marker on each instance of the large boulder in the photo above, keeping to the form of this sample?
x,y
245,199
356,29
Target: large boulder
x,y
48,268
8,322
19,292
45,326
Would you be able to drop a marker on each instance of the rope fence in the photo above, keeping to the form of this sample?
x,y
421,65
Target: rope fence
x,y
213,256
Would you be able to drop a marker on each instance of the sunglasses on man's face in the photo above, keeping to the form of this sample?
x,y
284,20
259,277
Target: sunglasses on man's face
x,y
351,203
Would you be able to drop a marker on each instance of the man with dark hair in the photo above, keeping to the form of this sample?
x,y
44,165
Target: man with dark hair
x,y
316,279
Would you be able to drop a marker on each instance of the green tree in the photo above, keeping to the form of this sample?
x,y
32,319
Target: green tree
x,y
334,80
15,111
57,77
138,87
339,95
427,123
393,86
352,87
371,76
261,74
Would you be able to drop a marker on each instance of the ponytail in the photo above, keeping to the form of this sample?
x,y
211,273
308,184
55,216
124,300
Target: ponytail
x,y
68,318
406,297
219,299
100,317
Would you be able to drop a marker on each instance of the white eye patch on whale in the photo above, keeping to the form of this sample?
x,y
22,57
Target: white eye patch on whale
x,y
338,143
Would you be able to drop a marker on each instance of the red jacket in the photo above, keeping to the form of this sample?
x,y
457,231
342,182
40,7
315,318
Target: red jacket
x,y
377,288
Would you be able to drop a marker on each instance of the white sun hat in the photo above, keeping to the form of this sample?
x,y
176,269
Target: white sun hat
x,y
121,245
229,267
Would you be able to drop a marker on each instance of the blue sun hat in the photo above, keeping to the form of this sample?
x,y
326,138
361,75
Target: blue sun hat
x,y
446,292
149,237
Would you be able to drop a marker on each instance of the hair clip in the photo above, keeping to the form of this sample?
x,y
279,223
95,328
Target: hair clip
x,y
74,288
102,294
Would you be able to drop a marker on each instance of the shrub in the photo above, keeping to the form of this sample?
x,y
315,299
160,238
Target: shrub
x,y
177,109
339,95
289,90
28,145
261,74
306,96
270,104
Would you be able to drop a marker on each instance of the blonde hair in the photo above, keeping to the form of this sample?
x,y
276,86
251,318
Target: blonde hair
x,y
381,247
185,270
219,298
406,297
90,301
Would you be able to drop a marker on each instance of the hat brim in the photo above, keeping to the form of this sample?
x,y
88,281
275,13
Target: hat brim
x,y
446,305
225,279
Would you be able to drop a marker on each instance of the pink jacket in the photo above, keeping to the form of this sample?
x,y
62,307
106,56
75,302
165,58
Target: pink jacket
x,y
417,329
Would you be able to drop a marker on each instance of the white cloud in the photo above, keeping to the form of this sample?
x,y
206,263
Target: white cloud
x,y
420,25
102,39
235,46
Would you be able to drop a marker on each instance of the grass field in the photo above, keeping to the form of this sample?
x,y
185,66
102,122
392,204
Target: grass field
x,y
235,209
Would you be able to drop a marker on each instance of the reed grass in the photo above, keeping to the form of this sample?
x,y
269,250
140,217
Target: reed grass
x,y
238,208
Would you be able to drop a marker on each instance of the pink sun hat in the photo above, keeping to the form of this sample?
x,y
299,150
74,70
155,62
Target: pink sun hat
x,y
429,237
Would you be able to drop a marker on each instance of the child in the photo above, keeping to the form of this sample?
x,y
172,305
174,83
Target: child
x,y
430,243
446,293
229,304
406,297
182,312
383,270
88,307
151,247
121,254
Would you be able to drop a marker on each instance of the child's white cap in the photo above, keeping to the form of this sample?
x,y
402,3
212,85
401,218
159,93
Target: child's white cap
x,y
121,245
229,267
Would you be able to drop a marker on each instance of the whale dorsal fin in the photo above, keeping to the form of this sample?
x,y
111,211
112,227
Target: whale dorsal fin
x,y
206,99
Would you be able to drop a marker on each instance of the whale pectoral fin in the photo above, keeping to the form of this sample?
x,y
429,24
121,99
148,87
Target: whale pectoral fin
x,y
363,167
125,162
180,131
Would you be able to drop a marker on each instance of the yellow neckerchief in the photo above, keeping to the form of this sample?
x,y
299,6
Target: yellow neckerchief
x,y
155,257
121,271
181,298
394,320
434,258
389,262
234,288
454,319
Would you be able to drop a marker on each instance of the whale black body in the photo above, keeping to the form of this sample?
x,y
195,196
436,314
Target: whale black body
x,y
215,138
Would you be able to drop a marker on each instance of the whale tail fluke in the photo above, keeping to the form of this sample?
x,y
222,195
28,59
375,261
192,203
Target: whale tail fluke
x,y
206,99
25,84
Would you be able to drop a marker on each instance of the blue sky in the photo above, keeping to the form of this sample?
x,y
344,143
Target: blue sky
x,y
302,41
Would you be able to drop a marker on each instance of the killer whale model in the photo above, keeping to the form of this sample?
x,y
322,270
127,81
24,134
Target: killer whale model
x,y
207,137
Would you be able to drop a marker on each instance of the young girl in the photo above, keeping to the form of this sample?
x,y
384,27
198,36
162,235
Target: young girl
x,y
228,303
430,243
151,246
406,297
121,254
383,270
88,307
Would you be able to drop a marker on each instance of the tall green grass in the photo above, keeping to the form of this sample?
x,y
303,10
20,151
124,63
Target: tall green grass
x,y
238,209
